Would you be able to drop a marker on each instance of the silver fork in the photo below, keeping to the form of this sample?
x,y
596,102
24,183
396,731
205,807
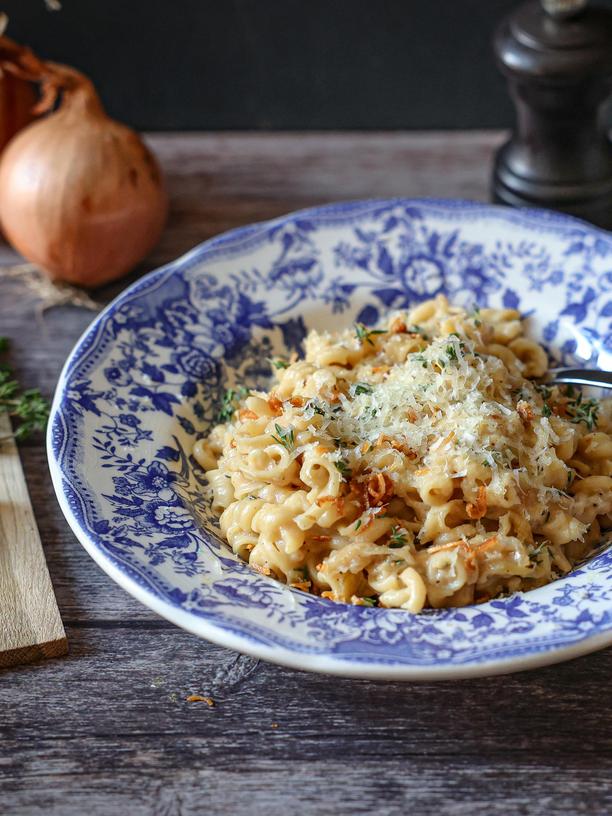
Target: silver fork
x,y
579,376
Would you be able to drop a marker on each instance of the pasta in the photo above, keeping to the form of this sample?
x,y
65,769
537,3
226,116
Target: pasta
x,y
414,464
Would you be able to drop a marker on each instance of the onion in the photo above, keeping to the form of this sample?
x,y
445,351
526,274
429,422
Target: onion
x,y
81,196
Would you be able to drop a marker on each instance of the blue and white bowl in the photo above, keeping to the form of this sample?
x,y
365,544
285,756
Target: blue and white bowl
x,y
148,376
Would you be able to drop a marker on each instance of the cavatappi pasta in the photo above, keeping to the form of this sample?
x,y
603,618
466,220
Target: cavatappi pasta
x,y
414,464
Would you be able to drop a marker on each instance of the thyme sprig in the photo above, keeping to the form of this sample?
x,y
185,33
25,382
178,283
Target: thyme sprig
x,y
29,408
343,468
279,363
397,538
360,388
285,437
230,401
316,407
581,410
364,335
534,555
588,413
451,353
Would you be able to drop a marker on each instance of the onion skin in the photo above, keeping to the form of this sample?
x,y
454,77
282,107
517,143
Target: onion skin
x,y
17,101
81,196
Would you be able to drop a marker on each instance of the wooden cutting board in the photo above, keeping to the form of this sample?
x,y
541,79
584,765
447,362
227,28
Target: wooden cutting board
x,y
30,622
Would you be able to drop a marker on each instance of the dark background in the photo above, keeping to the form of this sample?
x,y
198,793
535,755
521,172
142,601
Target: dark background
x,y
280,64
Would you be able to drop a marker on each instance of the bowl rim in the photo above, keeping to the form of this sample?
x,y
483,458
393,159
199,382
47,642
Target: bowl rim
x,y
278,653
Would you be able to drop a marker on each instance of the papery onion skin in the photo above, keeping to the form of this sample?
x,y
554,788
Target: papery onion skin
x,y
81,196
17,100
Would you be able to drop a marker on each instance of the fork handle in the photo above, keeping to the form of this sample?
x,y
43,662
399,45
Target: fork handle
x,y
579,376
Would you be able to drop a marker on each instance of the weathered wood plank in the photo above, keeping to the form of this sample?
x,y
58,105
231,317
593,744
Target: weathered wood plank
x,y
223,180
392,788
131,683
119,735
30,623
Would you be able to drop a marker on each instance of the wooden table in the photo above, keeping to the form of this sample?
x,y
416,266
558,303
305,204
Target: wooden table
x,y
108,730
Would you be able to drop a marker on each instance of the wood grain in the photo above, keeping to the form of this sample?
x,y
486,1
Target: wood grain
x,y
119,736
30,623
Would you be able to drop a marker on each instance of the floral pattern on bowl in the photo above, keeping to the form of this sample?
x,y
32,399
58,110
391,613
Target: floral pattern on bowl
x,y
149,374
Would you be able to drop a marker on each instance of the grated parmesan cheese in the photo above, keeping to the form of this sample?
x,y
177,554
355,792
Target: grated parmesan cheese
x,y
445,388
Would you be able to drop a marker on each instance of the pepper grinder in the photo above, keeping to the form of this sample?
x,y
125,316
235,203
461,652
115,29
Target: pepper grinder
x,y
557,57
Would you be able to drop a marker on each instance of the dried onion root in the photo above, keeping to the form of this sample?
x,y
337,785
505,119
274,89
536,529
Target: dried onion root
x,y
49,293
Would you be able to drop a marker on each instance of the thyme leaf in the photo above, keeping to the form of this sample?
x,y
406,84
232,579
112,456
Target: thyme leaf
x,y
229,403
279,363
29,408
343,467
285,437
364,335
360,388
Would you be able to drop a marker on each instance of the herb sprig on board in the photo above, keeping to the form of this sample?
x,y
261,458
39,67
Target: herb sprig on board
x,y
28,409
